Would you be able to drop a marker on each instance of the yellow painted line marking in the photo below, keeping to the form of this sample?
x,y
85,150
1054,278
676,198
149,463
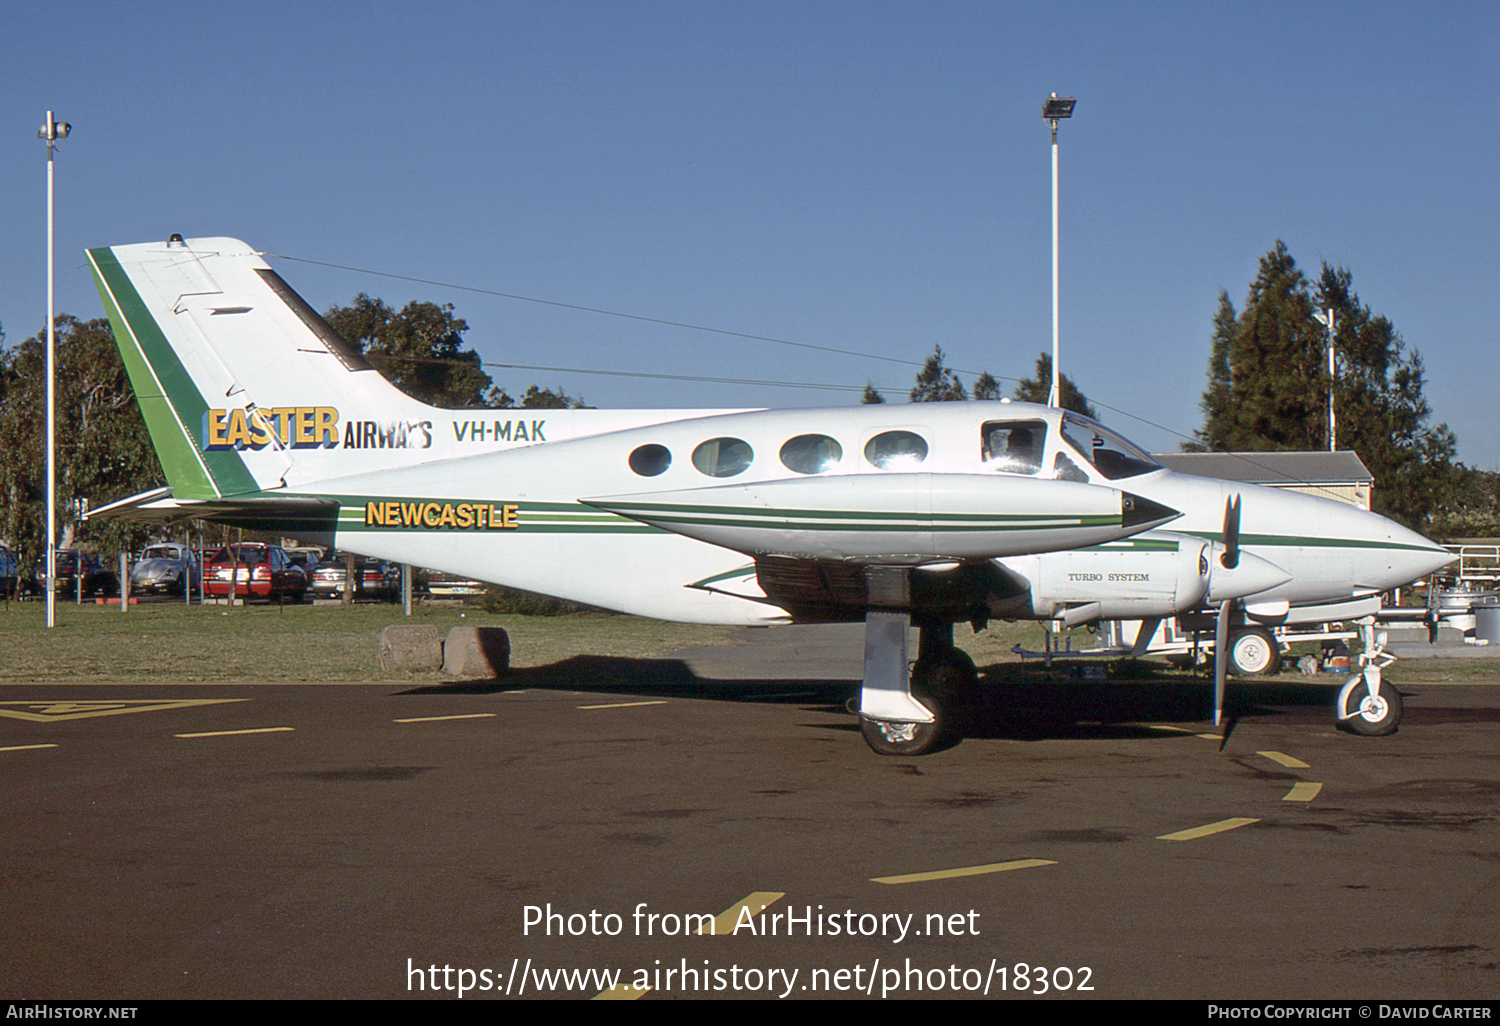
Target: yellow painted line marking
x,y
51,712
1285,760
948,874
1210,737
723,924
433,719
1212,828
22,748
623,705
1172,730
621,993
227,733
1306,791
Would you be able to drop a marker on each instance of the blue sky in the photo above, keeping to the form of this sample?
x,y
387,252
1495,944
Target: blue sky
x,y
872,177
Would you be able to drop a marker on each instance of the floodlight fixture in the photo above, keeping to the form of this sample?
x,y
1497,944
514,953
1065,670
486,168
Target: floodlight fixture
x,y
1058,107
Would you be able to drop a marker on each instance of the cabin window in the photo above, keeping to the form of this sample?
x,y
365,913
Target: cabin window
x,y
896,450
1111,455
1013,447
723,457
650,460
811,454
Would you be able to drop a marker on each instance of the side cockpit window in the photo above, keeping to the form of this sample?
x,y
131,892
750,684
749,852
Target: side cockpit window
x,y
1013,446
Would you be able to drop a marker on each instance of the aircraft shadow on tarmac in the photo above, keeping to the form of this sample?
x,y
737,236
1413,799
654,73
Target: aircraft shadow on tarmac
x,y
1012,701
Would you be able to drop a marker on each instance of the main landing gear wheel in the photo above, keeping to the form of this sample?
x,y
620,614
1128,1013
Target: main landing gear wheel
x,y
943,685
902,738
1254,653
948,680
1369,712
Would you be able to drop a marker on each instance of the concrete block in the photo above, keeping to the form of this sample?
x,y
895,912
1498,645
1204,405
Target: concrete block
x,y
472,653
410,648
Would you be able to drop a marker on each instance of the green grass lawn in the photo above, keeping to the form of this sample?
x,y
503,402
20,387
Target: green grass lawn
x,y
173,641
166,641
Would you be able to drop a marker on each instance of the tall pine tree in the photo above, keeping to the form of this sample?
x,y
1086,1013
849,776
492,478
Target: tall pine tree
x,y
1268,386
1038,389
936,383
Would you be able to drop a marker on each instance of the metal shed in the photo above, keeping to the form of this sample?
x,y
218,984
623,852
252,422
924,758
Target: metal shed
x,y
1330,475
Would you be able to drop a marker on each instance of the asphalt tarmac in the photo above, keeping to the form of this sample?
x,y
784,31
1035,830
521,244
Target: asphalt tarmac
x,y
712,825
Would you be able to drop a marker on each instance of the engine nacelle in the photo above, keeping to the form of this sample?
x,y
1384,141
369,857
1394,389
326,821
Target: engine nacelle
x,y
1130,580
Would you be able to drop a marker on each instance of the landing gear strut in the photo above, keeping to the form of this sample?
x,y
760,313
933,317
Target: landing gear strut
x,y
1368,705
911,714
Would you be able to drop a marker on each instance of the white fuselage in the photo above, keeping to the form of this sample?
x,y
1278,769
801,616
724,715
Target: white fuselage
x,y
556,539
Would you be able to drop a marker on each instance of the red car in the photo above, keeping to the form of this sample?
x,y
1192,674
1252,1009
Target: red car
x,y
260,571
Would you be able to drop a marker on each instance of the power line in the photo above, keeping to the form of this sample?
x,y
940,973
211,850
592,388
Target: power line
x,y
607,313
676,377
691,327
377,356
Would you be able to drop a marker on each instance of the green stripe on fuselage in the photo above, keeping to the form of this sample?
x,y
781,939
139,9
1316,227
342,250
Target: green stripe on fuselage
x,y
355,515
915,523
1307,541
706,513
1132,545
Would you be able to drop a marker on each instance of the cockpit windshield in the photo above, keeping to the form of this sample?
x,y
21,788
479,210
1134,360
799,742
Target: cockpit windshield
x,y
1111,455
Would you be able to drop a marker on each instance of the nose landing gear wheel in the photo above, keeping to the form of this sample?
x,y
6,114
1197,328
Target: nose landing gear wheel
x,y
1369,712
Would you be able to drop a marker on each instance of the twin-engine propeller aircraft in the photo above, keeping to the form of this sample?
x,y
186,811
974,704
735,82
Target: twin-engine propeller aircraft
x,y
925,515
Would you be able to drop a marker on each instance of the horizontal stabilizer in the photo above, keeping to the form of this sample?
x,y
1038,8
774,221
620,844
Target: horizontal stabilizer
x,y
288,514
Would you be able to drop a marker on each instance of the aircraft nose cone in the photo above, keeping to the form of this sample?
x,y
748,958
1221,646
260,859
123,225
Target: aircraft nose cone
x,y
1412,556
1136,511
1250,577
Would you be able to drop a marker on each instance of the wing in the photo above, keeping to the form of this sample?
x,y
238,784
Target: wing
x,y
835,548
825,591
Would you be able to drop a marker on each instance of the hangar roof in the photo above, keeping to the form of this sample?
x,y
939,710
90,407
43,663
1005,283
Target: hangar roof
x,y
1272,468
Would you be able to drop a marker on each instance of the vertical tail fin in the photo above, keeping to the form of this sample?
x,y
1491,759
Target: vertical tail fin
x,y
233,370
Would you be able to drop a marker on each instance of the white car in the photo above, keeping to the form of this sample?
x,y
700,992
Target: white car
x,y
165,568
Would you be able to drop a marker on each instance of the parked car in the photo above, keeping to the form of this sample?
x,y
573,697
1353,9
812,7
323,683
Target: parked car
x,y
451,586
257,571
373,578
165,569
69,564
308,557
9,569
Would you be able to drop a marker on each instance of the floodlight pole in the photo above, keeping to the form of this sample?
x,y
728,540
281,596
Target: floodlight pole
x,y
1329,320
51,131
1053,110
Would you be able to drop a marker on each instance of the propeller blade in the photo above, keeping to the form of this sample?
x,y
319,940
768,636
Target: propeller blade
x,y
1221,658
1231,557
